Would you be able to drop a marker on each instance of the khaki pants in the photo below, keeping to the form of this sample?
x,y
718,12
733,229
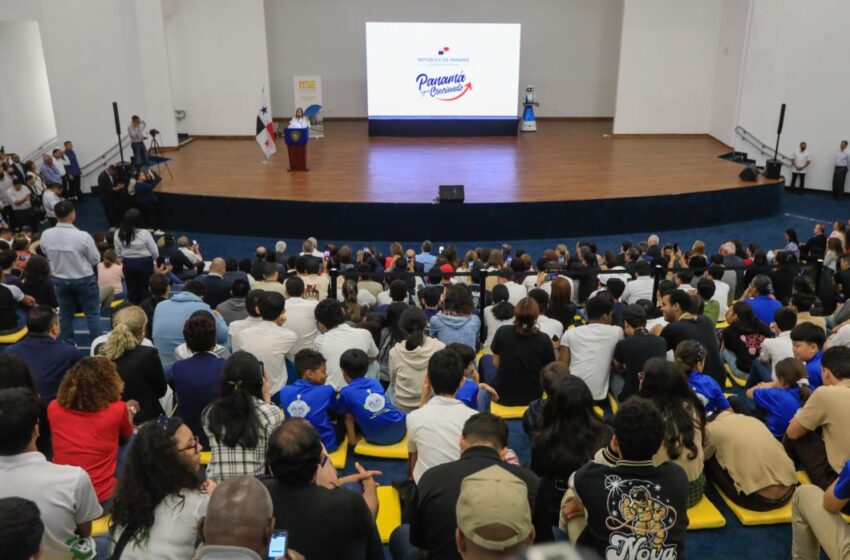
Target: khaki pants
x,y
814,527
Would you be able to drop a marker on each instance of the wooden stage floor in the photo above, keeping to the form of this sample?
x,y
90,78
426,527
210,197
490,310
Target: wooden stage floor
x,y
563,161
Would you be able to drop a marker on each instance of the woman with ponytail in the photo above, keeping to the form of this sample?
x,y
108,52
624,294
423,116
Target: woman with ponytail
x,y
408,361
780,399
238,424
138,365
496,315
690,358
161,496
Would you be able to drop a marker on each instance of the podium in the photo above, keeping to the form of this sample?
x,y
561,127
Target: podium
x,y
296,143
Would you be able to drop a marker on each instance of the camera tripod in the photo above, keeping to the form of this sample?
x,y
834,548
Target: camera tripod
x,y
156,150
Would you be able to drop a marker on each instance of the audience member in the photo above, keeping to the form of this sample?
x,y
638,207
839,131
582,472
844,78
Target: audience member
x,y
550,375
631,353
742,339
336,337
816,522
690,359
367,410
21,529
807,342
408,360
456,322
776,349
137,250
552,328
159,287
252,307
759,294
37,283
780,399
233,308
311,399
300,316
170,254
217,288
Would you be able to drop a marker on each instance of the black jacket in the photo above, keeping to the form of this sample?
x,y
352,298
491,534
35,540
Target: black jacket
x,y
218,290
144,381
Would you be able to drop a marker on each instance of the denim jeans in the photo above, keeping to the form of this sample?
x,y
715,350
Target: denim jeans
x,y
400,547
140,154
729,358
71,293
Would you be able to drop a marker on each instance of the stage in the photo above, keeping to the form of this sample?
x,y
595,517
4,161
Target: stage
x,y
569,178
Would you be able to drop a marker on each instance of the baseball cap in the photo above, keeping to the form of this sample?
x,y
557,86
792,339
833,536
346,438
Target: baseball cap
x,y
447,268
493,496
634,314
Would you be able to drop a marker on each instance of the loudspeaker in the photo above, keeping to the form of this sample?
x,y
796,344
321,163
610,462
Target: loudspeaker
x,y
451,193
772,169
750,173
781,119
117,120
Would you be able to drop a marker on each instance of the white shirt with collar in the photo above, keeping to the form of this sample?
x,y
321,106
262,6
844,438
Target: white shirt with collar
x,y
333,343
71,252
238,326
434,431
842,158
638,289
552,328
50,199
301,319
801,158
269,343
64,496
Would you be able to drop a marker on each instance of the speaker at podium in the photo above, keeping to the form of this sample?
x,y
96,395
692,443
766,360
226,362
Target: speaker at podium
x,y
296,144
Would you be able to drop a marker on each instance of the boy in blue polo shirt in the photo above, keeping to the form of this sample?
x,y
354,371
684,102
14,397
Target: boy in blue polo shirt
x,y
807,340
782,398
468,392
364,403
310,398
690,358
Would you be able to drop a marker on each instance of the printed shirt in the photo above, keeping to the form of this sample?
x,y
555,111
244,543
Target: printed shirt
x,y
781,406
312,402
708,391
364,399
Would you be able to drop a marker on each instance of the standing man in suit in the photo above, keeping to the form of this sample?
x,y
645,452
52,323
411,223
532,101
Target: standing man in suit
x,y
109,191
842,160
218,289
73,171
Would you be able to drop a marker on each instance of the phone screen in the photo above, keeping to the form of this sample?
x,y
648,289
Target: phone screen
x,y
167,261
327,254
441,249
277,546
551,276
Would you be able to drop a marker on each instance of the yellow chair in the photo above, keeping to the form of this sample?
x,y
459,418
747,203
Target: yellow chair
x,y
803,478
395,451
115,303
205,457
13,337
735,379
340,456
705,515
389,512
613,402
507,412
722,324
727,384
100,526
599,412
751,518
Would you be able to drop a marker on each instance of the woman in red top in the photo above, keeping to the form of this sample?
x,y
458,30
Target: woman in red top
x,y
88,420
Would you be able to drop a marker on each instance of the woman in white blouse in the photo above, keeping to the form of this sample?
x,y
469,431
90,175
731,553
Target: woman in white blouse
x,y
137,249
299,120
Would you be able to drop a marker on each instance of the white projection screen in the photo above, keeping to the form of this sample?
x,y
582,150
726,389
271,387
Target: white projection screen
x,y
442,70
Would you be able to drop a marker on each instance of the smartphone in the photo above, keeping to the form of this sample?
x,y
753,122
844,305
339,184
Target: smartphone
x,y
327,255
508,261
277,546
551,276
441,249
167,261
194,242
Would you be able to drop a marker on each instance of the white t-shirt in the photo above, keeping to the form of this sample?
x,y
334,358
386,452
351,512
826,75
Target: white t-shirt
x,y
269,343
591,352
552,328
800,159
434,432
493,324
841,338
721,296
776,349
174,531
236,327
515,292
301,319
638,289
334,342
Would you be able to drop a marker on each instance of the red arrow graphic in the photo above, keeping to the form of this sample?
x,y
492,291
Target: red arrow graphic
x,y
458,96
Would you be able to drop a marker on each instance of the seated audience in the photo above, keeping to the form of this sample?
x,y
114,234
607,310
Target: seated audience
x,y
505,277
311,399
196,380
500,313
548,326
170,254
110,273
472,384
217,288
21,529
589,349
434,429
776,349
759,294
368,412
239,423
159,286
322,522
408,359
336,337
138,365
270,282
779,400
519,352
631,353
706,290
550,375
690,359
561,306
161,496
37,283
171,315
233,308
817,436
252,307
742,339
300,316
48,357
807,341
816,523
456,322
641,287
644,486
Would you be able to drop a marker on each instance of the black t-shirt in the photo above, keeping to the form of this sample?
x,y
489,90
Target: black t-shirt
x,y
633,352
701,329
520,359
745,342
433,522
144,380
324,523
634,507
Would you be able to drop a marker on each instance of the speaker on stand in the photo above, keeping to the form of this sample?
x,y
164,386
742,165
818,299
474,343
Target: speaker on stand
x,y
773,167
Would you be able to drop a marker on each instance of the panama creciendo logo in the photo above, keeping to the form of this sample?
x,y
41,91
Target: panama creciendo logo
x,y
444,87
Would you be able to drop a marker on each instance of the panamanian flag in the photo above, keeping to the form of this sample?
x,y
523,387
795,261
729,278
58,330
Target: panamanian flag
x,y
265,128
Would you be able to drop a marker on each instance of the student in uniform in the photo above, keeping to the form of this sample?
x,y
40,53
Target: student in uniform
x,y
365,404
690,357
815,522
807,342
468,392
310,398
551,374
782,398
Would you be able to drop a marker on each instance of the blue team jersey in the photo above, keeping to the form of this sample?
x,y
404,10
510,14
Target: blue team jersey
x,y
708,391
842,485
302,399
813,369
468,394
378,420
764,307
781,406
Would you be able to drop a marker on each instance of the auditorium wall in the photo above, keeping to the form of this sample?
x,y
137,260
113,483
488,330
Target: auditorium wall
x,y
570,48
26,111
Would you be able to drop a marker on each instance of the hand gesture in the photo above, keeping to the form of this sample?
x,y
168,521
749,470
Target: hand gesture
x,y
656,330
363,475
572,508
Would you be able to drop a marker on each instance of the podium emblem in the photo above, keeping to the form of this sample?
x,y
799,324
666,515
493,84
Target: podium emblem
x,y
295,135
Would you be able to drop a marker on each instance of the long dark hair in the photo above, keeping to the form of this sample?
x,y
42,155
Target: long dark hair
x,y
746,316
502,308
792,236
413,323
664,385
131,222
570,431
232,419
36,271
154,470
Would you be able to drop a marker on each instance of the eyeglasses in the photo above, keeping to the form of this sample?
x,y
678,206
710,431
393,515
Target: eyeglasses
x,y
194,445
323,461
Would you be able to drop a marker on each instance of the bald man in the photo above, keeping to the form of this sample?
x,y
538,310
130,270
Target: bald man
x,y
218,289
239,522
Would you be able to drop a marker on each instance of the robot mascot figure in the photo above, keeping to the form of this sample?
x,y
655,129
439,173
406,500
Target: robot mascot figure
x,y
529,123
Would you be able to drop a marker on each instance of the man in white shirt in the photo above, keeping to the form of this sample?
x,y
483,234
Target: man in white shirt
x,y
315,285
269,341
842,160
435,428
64,494
776,349
799,165
50,199
336,336
252,320
641,287
588,350
192,252
721,289
300,316
516,292
270,283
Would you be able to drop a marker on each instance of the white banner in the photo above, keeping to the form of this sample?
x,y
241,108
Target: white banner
x,y
308,96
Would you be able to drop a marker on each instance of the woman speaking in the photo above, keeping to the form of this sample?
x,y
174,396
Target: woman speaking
x,y
299,120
